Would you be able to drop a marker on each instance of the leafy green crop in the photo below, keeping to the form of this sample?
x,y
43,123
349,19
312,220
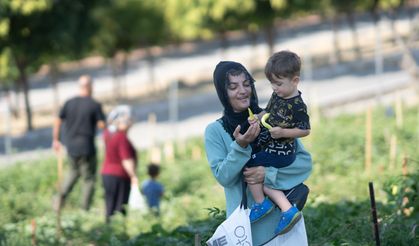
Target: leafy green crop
x,y
337,212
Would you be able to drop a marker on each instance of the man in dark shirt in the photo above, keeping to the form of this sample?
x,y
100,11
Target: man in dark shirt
x,y
80,117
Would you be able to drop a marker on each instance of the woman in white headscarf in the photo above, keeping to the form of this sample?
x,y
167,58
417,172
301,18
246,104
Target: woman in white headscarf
x,y
119,166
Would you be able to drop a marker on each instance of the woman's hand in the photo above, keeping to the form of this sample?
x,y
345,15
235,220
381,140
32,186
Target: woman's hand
x,y
254,175
134,181
255,120
249,136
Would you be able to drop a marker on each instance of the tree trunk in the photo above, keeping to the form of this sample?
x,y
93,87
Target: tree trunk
x,y
8,123
270,38
23,83
150,62
394,15
223,44
254,58
374,11
54,83
115,75
412,17
124,69
352,25
378,47
16,102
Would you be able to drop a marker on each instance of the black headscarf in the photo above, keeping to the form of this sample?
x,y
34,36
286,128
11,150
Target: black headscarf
x,y
231,119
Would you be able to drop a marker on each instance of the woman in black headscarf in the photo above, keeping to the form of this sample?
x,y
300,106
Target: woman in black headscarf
x,y
228,144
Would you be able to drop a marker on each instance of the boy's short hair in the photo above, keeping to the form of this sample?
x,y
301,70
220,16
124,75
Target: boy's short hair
x,y
153,170
283,64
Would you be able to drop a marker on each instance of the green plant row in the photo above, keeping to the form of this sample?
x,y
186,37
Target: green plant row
x,y
337,212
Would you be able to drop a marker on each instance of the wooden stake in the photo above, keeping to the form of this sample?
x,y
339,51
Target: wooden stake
x,y
374,214
59,181
393,151
368,140
155,156
314,109
404,166
59,169
197,240
181,147
169,153
196,153
59,229
399,112
33,227
405,200
152,119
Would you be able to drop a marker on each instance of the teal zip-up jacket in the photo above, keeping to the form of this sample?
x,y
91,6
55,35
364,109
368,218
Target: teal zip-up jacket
x,y
227,159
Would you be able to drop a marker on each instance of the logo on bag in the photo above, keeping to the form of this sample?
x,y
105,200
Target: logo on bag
x,y
218,241
234,231
239,234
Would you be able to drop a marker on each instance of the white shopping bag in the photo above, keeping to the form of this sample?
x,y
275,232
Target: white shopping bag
x,y
235,230
297,236
136,200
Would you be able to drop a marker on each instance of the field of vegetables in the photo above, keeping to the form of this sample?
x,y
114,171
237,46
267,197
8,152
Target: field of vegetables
x,y
348,152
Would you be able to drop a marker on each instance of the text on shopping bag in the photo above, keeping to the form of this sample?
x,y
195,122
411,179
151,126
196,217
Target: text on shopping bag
x,y
239,237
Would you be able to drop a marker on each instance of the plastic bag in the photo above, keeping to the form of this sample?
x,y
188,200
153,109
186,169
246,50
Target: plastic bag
x,y
235,230
297,236
136,199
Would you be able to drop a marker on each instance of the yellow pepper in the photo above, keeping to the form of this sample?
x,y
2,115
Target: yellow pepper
x,y
251,115
264,123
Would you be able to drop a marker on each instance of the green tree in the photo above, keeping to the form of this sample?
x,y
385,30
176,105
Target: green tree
x,y
8,74
68,39
125,25
185,20
32,42
8,71
220,17
268,13
20,19
394,7
348,9
329,10
205,19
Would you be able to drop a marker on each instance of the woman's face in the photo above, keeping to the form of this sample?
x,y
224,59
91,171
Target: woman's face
x,y
124,124
239,91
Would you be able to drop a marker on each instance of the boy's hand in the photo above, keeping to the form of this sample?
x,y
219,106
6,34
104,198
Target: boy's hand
x,y
277,132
